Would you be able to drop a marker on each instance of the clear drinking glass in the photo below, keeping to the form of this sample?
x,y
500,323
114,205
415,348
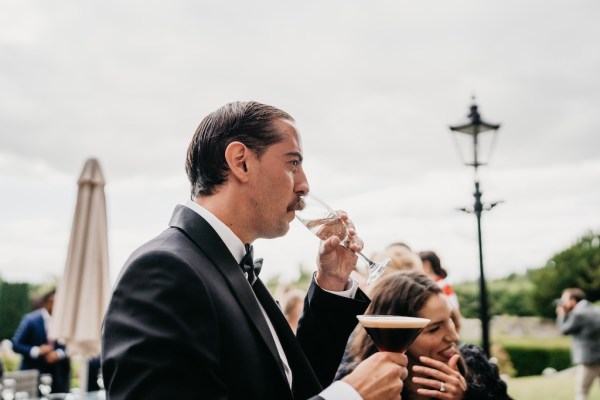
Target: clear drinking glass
x,y
8,391
45,385
324,222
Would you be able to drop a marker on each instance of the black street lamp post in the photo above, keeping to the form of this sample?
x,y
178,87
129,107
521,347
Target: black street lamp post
x,y
472,129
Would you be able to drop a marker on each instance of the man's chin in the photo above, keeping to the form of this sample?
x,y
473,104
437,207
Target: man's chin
x,y
281,230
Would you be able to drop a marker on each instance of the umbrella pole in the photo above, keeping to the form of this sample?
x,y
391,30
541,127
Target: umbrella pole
x,y
84,368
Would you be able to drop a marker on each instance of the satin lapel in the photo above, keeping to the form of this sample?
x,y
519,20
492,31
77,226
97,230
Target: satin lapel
x,y
305,383
211,244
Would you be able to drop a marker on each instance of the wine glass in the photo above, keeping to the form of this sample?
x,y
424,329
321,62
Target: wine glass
x,y
45,385
100,381
392,333
324,222
8,391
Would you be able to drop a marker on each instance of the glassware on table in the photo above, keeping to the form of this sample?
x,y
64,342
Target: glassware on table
x,y
45,385
324,222
392,333
100,381
9,389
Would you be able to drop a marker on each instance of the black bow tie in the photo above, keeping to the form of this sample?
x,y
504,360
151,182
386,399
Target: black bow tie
x,y
250,267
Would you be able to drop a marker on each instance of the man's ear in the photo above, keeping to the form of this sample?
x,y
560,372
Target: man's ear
x,y
236,156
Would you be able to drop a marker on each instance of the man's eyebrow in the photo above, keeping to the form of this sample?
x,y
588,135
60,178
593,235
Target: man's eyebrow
x,y
296,154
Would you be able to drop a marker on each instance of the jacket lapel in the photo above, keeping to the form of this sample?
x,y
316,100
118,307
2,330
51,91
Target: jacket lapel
x,y
205,237
304,383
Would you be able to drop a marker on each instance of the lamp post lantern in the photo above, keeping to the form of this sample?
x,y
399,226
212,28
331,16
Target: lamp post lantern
x,y
471,130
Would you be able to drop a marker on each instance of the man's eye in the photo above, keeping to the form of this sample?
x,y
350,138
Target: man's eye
x,y
295,163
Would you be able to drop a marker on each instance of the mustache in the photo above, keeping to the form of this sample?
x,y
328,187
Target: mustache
x,y
297,205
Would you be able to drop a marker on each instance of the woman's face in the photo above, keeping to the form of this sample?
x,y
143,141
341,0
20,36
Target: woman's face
x,y
439,338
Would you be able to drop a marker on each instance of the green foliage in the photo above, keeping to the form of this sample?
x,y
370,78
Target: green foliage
x,y
530,355
14,303
511,295
11,363
577,266
529,360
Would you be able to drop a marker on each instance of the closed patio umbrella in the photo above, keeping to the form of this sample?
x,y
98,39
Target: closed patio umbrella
x,y
84,289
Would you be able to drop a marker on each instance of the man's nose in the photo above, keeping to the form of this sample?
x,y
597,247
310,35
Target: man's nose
x,y
301,187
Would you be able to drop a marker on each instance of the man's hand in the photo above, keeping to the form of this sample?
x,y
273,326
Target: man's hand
x,y
51,357
379,376
45,349
335,262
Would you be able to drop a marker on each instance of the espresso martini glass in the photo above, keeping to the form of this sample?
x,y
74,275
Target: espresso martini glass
x,y
391,332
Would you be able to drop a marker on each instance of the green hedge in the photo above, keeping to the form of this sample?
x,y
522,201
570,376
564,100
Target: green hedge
x,y
532,360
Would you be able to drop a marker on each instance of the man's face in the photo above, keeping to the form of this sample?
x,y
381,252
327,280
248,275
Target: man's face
x,y
49,305
278,183
567,301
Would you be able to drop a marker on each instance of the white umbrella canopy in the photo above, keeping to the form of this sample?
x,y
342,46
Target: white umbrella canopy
x,y
84,289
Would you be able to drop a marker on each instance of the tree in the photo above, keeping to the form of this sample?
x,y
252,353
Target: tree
x,y
510,296
577,266
14,303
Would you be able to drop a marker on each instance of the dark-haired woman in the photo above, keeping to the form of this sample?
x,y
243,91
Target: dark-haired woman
x,y
433,268
438,367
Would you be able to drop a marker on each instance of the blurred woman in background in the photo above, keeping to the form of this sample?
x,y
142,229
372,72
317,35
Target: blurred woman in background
x,y
433,268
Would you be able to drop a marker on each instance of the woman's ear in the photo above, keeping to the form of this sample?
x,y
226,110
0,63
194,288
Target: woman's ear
x,y
236,156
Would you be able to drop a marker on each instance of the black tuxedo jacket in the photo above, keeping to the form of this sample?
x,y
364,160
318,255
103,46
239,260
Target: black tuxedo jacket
x,y
183,322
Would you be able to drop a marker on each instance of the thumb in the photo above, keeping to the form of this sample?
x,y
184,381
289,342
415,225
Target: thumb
x,y
453,363
330,245
397,358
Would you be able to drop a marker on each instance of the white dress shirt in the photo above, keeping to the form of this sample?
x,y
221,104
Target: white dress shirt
x,y
338,390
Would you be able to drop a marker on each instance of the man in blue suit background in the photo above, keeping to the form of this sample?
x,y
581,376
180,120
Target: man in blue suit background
x,y
32,342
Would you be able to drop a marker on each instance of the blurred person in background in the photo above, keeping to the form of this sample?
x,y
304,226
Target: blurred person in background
x,y
433,268
579,318
438,367
39,350
401,257
292,304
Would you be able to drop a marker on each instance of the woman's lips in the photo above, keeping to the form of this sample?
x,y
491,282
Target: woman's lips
x,y
448,353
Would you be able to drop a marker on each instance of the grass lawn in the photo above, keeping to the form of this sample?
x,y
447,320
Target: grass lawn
x,y
555,387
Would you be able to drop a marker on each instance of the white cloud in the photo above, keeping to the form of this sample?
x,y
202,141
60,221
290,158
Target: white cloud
x,y
373,87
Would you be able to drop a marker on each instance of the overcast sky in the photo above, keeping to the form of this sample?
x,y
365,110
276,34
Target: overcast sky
x,y
373,86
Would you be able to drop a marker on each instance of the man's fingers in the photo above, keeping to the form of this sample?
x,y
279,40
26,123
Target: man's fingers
x,y
331,244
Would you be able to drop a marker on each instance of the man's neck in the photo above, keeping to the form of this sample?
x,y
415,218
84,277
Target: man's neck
x,y
230,212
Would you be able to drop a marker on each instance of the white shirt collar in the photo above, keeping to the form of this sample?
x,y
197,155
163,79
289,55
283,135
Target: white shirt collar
x,y
233,243
45,314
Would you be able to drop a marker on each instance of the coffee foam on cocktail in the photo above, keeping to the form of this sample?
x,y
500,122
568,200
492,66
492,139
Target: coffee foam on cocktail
x,y
391,321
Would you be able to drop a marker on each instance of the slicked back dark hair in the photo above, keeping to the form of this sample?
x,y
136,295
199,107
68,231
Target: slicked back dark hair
x,y
250,123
